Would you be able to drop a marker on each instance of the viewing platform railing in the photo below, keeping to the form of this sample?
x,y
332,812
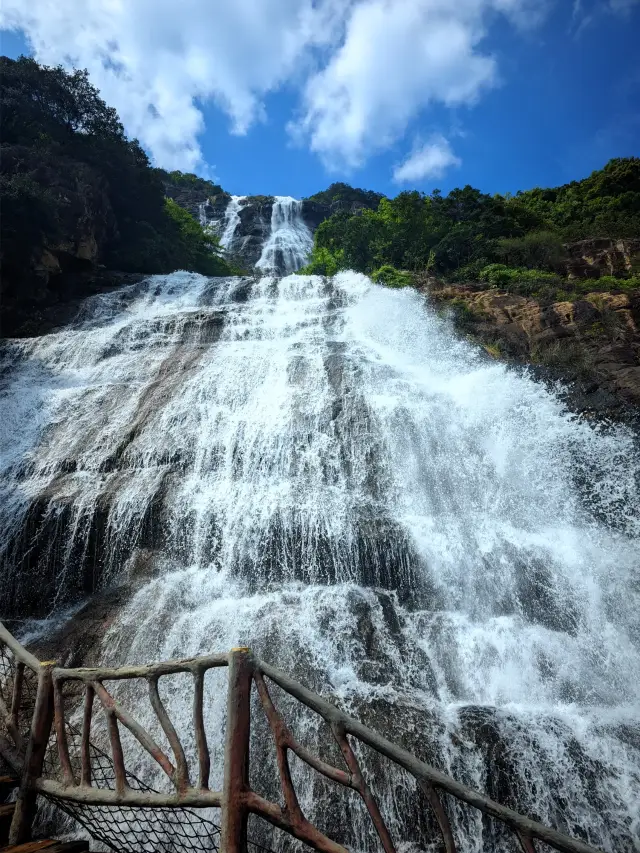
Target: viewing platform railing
x,y
34,724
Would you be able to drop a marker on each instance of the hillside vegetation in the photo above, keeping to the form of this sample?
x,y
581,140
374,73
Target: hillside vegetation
x,y
76,192
518,243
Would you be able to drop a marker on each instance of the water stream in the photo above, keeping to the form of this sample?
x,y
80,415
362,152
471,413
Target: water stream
x,y
322,470
231,221
290,240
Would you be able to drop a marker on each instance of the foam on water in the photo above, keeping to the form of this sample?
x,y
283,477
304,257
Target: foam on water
x,y
323,471
231,221
290,241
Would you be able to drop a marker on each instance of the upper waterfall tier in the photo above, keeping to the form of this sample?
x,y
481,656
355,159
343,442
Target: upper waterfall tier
x,y
290,241
266,233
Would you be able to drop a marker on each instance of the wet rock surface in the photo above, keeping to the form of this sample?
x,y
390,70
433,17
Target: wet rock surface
x,y
320,470
592,343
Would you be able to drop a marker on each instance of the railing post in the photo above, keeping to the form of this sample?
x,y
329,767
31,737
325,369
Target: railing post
x,y
236,752
41,723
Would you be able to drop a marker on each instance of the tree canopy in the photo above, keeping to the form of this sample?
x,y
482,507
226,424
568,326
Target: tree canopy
x,y
459,234
67,161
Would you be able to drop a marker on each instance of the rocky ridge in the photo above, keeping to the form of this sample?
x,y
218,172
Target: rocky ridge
x,y
593,341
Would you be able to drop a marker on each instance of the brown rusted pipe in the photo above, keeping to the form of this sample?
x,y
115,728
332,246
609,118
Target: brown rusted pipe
x,y
115,712
182,771
362,788
13,725
85,747
421,770
307,833
441,815
61,734
204,759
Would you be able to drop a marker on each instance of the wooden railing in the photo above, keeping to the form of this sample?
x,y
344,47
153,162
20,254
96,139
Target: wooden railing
x,y
236,800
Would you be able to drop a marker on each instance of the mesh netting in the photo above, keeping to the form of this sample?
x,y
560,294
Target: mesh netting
x,y
129,830
126,830
28,692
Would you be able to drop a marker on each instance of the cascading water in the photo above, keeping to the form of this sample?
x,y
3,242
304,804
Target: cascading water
x,y
231,221
321,470
290,242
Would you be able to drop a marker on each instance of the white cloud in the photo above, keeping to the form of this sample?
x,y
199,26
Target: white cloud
x,y
582,18
155,59
398,57
366,68
430,160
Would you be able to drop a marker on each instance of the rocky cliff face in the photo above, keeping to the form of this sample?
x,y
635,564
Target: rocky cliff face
x,y
599,257
192,199
594,340
78,225
253,229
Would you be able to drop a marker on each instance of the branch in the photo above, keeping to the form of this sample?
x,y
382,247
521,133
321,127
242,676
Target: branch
x,y
85,749
115,712
204,758
182,772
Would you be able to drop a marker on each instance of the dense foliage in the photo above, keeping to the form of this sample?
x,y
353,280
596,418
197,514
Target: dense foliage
x,y
461,235
71,176
187,180
606,204
344,196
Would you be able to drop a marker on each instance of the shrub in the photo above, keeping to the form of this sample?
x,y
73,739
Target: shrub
x,y
391,277
323,262
526,282
496,275
610,282
534,250
463,315
470,272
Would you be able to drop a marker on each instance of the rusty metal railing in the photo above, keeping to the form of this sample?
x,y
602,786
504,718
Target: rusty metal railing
x,y
237,800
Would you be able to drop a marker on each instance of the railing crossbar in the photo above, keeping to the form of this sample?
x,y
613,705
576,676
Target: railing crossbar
x,y
236,800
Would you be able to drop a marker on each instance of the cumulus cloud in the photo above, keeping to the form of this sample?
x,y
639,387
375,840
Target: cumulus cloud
x,y
154,60
365,68
430,160
397,58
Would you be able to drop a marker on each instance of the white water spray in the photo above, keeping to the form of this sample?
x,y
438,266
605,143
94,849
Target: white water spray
x,y
231,221
290,241
323,471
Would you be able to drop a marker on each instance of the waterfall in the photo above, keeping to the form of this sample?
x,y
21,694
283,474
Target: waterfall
x,y
290,241
231,221
321,470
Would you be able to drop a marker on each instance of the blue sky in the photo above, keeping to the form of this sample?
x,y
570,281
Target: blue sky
x,y
285,96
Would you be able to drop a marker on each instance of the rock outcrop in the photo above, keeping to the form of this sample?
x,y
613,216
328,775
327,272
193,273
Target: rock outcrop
x,y
253,230
599,257
594,340
314,212
76,235
192,196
